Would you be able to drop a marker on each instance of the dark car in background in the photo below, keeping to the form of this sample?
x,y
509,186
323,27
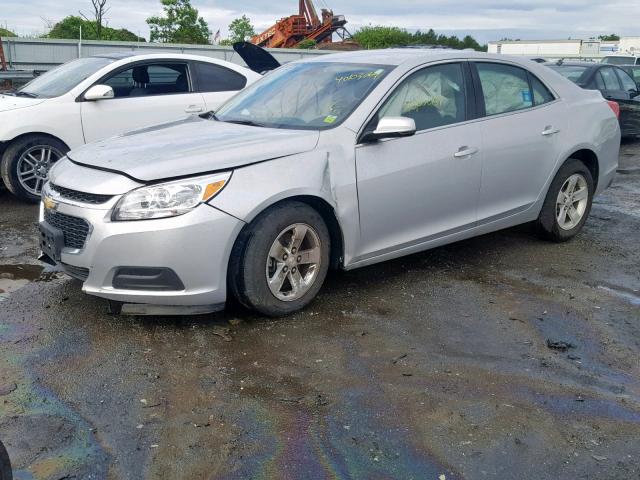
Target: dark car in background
x,y
614,83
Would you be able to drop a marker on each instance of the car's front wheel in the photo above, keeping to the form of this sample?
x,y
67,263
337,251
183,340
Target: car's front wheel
x,y
280,261
26,162
568,202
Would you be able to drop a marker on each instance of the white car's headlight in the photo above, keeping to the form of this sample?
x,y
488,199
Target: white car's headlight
x,y
169,199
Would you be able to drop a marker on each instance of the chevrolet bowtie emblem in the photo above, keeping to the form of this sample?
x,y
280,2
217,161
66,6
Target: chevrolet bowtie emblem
x,y
49,203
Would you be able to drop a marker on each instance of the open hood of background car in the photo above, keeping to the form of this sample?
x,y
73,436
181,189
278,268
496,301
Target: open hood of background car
x,y
191,147
256,58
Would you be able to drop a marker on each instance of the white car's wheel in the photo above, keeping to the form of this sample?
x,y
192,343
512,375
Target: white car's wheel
x,y
26,162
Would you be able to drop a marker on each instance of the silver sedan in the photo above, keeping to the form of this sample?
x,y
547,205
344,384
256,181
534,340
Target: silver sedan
x,y
340,161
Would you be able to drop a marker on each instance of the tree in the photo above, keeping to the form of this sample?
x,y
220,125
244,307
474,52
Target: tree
x,y
180,24
307,44
609,38
241,29
6,33
99,11
69,27
382,37
386,37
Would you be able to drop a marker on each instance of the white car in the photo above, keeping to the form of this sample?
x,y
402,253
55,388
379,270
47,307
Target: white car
x,y
97,97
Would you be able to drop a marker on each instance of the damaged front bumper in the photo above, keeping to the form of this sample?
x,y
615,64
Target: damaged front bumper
x,y
167,266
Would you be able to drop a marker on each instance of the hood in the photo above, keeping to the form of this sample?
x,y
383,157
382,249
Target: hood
x,y
256,58
9,102
190,147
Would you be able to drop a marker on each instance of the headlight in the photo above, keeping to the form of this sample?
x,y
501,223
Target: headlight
x,y
169,199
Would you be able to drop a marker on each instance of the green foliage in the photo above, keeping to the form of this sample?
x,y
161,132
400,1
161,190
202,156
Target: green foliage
x,y
609,38
386,37
180,24
241,29
307,44
69,28
382,37
6,33
227,42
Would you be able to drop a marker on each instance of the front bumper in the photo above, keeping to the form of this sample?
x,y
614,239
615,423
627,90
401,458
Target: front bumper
x,y
196,246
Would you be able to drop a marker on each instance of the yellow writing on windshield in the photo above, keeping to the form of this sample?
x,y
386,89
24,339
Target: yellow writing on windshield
x,y
358,76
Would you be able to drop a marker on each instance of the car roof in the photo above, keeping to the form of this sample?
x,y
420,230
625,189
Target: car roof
x,y
398,56
117,55
579,64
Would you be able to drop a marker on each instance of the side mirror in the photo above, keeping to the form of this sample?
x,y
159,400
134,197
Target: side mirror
x,y
391,127
99,92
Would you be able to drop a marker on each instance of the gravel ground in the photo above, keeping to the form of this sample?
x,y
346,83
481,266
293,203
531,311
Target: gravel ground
x,y
434,366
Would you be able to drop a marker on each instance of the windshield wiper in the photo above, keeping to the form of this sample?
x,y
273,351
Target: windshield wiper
x,y
25,94
249,123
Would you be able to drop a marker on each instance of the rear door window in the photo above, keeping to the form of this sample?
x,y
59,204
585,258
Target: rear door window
x,y
626,81
541,94
610,79
215,78
505,88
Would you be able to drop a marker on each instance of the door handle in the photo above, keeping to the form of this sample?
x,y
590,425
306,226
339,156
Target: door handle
x,y
549,130
465,152
193,109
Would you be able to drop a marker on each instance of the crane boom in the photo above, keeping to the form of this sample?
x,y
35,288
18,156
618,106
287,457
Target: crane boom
x,y
306,25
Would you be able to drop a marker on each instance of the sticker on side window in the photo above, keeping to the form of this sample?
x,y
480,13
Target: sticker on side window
x,y
526,96
330,119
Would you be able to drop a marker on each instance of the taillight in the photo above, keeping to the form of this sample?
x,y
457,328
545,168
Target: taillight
x,y
615,107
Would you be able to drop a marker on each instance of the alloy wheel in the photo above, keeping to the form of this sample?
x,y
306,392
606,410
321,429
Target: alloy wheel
x,y
34,165
572,201
293,262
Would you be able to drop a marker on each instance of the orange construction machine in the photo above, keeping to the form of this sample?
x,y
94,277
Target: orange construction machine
x,y
307,25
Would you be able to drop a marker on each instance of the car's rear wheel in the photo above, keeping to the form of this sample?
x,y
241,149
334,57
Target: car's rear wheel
x,y
568,202
26,162
281,260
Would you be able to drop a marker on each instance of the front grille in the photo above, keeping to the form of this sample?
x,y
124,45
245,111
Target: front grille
x,y
75,229
79,273
82,197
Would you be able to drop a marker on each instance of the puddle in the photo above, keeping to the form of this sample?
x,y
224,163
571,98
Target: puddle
x,y
14,277
632,296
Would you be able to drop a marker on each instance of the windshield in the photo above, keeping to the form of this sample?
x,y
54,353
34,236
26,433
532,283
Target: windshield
x,y
571,72
619,60
60,80
311,95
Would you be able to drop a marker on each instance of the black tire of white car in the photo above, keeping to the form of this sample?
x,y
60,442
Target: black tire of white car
x,y
248,264
547,223
11,157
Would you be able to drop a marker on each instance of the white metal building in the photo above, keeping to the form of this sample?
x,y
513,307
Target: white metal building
x,y
547,48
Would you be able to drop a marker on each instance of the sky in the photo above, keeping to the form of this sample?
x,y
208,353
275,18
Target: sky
x,y
486,20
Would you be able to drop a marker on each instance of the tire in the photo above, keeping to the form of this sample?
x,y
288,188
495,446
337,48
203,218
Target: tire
x,y
5,464
26,153
252,262
549,223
